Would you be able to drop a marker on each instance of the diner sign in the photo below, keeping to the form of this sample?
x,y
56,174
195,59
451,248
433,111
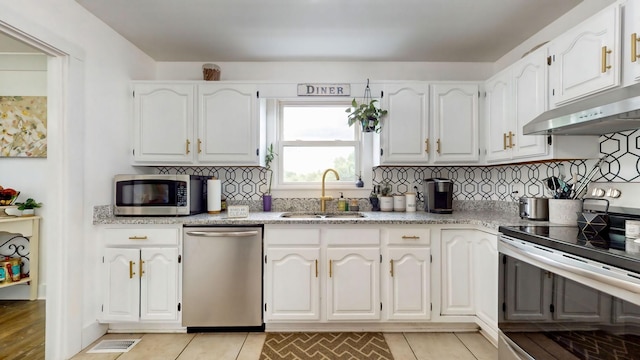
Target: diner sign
x,y
324,89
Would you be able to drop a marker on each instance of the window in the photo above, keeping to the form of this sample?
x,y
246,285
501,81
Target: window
x,y
313,137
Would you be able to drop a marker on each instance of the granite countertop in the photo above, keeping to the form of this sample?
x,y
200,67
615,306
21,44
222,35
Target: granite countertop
x,y
490,219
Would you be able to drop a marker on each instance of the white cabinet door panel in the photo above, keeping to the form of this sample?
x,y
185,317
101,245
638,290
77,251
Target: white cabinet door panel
x,y
405,130
121,285
353,287
455,122
163,123
457,273
159,284
293,284
409,283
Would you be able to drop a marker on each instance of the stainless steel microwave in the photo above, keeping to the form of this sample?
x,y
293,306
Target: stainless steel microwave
x,y
159,195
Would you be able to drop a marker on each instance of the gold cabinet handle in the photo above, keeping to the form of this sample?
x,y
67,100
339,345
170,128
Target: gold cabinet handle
x,y
316,267
141,271
426,145
144,237
604,59
504,141
438,146
199,146
188,146
391,267
410,237
330,270
634,47
131,273
511,140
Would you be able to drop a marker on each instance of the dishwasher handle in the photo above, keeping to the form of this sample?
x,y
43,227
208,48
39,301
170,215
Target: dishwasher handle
x,y
223,233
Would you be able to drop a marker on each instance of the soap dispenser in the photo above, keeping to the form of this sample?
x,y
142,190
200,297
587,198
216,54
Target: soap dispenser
x,y
342,203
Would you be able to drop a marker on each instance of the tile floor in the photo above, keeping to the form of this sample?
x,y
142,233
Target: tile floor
x,y
247,346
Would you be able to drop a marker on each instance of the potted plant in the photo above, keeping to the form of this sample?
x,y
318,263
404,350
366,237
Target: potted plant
x,y
28,207
266,197
367,114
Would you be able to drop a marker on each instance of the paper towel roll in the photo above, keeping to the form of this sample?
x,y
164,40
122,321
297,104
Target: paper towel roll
x,y
214,196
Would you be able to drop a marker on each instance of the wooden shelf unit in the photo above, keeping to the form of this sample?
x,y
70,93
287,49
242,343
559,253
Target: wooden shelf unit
x,y
28,227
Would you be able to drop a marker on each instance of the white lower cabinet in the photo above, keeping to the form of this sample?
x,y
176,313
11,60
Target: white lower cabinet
x,y
469,284
353,285
141,272
293,286
322,273
407,273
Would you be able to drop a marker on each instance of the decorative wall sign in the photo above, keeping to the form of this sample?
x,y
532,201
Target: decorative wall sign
x,y
23,126
324,90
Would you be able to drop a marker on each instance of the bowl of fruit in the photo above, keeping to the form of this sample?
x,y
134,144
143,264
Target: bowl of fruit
x,y
7,198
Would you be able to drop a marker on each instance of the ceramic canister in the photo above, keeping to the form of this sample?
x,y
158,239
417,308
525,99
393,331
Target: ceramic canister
x,y
386,203
410,201
399,203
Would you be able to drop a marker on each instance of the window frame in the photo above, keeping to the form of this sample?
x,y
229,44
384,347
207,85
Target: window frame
x,y
359,152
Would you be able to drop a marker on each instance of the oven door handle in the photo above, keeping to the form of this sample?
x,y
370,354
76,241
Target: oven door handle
x,y
627,285
223,233
512,350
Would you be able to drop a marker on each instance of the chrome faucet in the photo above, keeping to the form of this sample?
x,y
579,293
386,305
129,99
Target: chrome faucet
x,y
324,198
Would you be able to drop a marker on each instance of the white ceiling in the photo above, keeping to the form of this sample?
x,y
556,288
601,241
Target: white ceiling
x,y
322,30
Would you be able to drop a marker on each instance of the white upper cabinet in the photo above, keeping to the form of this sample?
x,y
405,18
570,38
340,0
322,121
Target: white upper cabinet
x,y
228,124
499,123
514,97
454,108
206,124
586,59
631,42
529,76
163,123
405,131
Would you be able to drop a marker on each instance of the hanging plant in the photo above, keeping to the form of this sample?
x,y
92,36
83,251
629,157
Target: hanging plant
x,y
367,114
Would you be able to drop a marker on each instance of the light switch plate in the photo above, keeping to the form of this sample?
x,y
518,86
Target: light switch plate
x,y
238,211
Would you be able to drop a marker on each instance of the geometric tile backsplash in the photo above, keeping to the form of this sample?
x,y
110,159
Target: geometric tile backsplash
x,y
499,182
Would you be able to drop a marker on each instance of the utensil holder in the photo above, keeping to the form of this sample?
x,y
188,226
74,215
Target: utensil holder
x,y
564,211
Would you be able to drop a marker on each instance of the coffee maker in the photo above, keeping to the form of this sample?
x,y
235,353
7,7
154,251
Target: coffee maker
x,y
438,195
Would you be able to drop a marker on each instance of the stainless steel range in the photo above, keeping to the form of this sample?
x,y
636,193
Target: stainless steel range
x,y
568,294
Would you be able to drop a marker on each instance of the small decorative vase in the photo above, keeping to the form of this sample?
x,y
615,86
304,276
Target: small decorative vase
x,y
266,202
375,203
359,183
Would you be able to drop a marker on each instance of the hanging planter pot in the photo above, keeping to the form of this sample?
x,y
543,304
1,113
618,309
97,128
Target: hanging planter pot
x,y
368,114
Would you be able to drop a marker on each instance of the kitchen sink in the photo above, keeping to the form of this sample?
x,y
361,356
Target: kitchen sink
x,y
321,215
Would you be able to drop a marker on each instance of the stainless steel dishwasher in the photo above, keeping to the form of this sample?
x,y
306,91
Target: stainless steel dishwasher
x,y
222,279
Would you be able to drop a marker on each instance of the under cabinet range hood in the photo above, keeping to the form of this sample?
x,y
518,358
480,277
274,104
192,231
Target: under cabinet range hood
x,y
613,111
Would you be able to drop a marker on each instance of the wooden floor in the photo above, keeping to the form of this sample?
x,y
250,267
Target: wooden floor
x,y
22,329
243,346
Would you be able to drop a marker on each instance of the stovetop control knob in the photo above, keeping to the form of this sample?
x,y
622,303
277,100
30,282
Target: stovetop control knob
x,y
613,193
597,192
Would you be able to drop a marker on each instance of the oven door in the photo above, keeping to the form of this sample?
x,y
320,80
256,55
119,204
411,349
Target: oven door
x,y
558,306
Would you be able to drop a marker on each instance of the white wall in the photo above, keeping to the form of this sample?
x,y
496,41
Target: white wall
x,y
24,75
109,63
328,71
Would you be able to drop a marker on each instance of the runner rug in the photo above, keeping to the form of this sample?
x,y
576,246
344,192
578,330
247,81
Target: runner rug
x,y
325,346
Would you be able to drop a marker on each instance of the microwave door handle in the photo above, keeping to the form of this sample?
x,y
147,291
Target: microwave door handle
x,y
576,270
222,233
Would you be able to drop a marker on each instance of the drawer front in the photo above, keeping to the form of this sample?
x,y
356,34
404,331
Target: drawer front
x,y
22,227
142,236
408,236
352,236
292,236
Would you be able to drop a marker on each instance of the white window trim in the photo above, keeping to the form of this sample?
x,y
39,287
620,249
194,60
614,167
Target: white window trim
x,y
366,147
